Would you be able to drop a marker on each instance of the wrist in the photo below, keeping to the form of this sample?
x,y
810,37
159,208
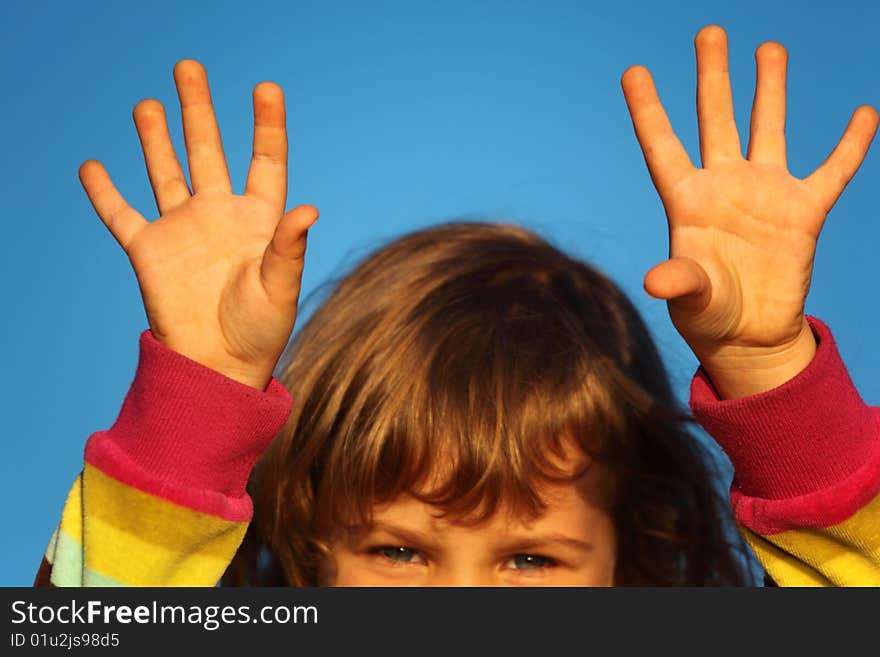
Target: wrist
x,y
258,379
745,371
250,374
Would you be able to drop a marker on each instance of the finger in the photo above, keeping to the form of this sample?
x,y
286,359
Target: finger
x,y
680,279
121,219
204,148
163,167
666,158
767,129
719,139
282,265
829,180
267,177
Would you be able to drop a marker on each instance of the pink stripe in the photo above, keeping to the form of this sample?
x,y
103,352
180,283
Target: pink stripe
x,y
823,508
103,453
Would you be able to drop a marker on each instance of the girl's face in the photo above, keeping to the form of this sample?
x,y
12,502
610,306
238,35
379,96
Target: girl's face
x,y
571,544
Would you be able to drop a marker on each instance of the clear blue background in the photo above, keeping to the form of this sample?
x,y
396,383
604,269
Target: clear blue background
x,y
401,114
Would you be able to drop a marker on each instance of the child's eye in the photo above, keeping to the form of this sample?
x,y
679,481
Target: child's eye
x,y
528,562
400,554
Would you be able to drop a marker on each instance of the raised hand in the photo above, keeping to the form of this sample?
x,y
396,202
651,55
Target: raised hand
x,y
742,231
219,273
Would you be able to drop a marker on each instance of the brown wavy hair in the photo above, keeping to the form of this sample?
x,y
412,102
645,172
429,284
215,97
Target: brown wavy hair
x,y
486,344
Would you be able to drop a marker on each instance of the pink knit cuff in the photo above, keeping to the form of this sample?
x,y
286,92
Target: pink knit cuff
x,y
810,434
186,427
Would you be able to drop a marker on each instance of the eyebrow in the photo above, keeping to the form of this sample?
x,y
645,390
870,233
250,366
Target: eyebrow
x,y
415,537
406,536
543,540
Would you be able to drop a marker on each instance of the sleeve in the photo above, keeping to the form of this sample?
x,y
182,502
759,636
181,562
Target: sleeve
x,y
806,484
161,498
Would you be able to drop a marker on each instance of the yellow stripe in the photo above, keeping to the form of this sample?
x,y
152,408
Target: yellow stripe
x,y
142,540
846,554
71,517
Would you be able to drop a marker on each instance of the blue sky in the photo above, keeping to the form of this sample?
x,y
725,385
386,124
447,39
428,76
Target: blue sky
x,y
400,115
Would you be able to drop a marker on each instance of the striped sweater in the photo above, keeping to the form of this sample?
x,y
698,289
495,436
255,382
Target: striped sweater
x,y
161,498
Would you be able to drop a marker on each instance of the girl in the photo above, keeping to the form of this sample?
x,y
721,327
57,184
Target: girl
x,y
471,406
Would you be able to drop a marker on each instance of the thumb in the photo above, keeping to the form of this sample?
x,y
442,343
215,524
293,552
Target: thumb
x,y
681,280
282,264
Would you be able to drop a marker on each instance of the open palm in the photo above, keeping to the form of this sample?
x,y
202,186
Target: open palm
x,y
219,273
743,231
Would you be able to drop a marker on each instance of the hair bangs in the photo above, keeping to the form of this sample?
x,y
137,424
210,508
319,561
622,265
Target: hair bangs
x,y
482,402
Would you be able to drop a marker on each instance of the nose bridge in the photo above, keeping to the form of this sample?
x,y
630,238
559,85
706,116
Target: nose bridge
x,y
463,575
